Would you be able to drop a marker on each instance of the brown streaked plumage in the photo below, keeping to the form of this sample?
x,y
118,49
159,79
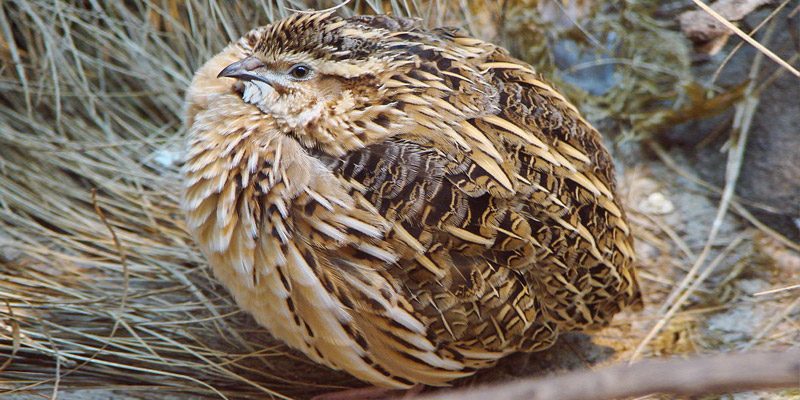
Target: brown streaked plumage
x,y
408,205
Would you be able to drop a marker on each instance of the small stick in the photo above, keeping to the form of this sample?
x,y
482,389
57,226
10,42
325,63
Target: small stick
x,y
694,376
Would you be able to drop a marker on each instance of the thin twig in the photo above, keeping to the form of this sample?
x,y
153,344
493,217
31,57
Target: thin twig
x,y
778,290
739,45
748,39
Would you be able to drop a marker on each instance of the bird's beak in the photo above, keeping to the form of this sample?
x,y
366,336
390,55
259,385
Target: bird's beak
x,y
243,70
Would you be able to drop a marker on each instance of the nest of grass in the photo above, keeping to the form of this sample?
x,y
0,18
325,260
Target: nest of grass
x,y
102,288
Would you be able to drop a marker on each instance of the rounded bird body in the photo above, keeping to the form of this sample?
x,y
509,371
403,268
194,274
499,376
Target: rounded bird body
x,y
408,205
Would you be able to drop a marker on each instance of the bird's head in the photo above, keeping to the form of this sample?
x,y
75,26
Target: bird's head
x,y
323,78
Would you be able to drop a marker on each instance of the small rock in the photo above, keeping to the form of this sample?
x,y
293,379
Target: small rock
x,y
657,203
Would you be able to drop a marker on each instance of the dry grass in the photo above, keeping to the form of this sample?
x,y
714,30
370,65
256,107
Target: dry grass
x,y
101,286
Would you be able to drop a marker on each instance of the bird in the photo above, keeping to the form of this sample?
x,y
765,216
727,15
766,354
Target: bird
x,y
403,203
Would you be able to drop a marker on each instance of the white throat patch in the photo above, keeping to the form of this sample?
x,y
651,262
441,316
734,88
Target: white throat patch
x,y
255,91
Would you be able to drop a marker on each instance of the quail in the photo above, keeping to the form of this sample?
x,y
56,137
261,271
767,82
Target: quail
x,y
405,204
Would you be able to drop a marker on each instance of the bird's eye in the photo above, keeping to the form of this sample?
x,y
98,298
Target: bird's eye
x,y
300,71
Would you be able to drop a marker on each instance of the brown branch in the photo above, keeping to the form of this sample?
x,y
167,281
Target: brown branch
x,y
694,376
